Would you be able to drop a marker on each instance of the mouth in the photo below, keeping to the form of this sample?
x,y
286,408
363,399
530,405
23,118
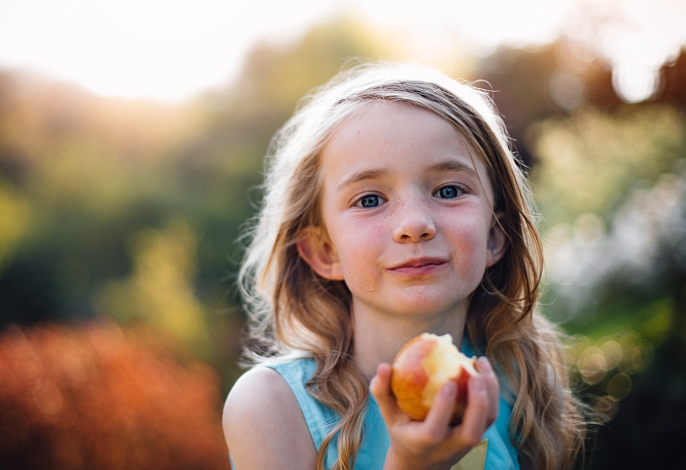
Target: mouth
x,y
418,266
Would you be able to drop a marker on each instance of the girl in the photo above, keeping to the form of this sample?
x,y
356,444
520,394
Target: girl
x,y
393,207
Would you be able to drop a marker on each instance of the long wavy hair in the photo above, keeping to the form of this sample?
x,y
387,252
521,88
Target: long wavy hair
x,y
292,310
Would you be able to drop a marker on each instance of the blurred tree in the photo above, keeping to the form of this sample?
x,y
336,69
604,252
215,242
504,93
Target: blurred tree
x,y
632,278
97,396
590,160
672,88
15,221
541,82
83,170
159,290
612,187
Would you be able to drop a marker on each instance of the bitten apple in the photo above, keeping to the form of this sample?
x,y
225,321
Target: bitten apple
x,y
420,369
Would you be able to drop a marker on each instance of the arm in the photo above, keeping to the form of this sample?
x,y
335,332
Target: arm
x,y
433,443
263,424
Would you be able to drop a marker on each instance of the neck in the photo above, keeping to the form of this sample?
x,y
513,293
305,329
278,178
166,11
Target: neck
x,y
379,337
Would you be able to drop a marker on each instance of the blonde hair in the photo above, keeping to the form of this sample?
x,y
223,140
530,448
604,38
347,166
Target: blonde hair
x,y
292,309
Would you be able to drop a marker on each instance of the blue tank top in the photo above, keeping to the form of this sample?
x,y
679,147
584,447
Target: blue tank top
x,y
495,452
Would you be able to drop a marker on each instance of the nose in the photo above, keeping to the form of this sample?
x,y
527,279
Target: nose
x,y
413,223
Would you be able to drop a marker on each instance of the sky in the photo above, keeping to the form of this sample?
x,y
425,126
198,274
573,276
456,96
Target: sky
x,y
170,50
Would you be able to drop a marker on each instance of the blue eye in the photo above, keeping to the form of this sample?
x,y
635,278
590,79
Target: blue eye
x,y
369,201
448,192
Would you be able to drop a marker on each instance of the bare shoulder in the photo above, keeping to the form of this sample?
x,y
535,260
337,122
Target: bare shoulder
x,y
263,424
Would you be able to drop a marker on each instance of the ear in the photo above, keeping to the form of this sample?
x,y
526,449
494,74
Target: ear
x,y
497,243
315,249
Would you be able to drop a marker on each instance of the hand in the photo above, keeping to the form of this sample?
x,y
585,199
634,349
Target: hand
x,y
433,443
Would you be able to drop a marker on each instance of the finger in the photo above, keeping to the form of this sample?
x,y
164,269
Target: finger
x,y
492,387
475,420
440,414
381,383
380,387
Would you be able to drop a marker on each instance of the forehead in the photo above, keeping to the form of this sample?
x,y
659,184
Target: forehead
x,y
386,134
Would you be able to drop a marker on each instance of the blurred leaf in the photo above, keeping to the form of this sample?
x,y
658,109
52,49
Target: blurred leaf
x,y
159,291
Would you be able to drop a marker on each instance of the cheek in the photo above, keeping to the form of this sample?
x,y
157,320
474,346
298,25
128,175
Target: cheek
x,y
470,238
358,246
360,241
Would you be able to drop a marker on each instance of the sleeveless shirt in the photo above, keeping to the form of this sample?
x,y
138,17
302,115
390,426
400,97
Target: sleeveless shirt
x,y
494,452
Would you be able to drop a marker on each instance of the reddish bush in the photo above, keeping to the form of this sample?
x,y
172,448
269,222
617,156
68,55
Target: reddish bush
x,y
98,397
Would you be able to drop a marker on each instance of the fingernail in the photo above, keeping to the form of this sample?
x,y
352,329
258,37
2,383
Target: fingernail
x,y
485,365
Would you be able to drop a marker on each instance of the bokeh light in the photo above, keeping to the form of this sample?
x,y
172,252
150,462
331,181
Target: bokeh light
x,y
607,364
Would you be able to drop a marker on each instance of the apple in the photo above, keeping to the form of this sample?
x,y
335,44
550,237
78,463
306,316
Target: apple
x,y
420,369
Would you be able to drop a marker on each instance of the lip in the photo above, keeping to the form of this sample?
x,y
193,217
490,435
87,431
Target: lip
x,y
418,266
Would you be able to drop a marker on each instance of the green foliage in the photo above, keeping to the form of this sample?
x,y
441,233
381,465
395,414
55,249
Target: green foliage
x,y
159,290
15,221
589,161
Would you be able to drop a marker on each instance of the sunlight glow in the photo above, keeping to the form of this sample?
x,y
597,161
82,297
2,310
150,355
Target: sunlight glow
x,y
149,48
172,50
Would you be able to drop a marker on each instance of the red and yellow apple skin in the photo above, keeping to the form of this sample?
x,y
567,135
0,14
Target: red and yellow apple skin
x,y
420,369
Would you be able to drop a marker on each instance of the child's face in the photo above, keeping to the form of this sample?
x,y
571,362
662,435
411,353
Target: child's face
x,y
408,212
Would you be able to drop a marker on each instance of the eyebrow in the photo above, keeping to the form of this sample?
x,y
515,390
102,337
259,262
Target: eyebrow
x,y
363,176
376,173
451,165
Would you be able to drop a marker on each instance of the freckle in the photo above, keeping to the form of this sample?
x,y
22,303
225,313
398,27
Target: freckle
x,y
369,287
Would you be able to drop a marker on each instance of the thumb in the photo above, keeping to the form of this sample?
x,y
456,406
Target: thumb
x,y
380,387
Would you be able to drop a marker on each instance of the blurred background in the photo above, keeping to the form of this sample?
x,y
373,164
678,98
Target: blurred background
x,y
131,145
